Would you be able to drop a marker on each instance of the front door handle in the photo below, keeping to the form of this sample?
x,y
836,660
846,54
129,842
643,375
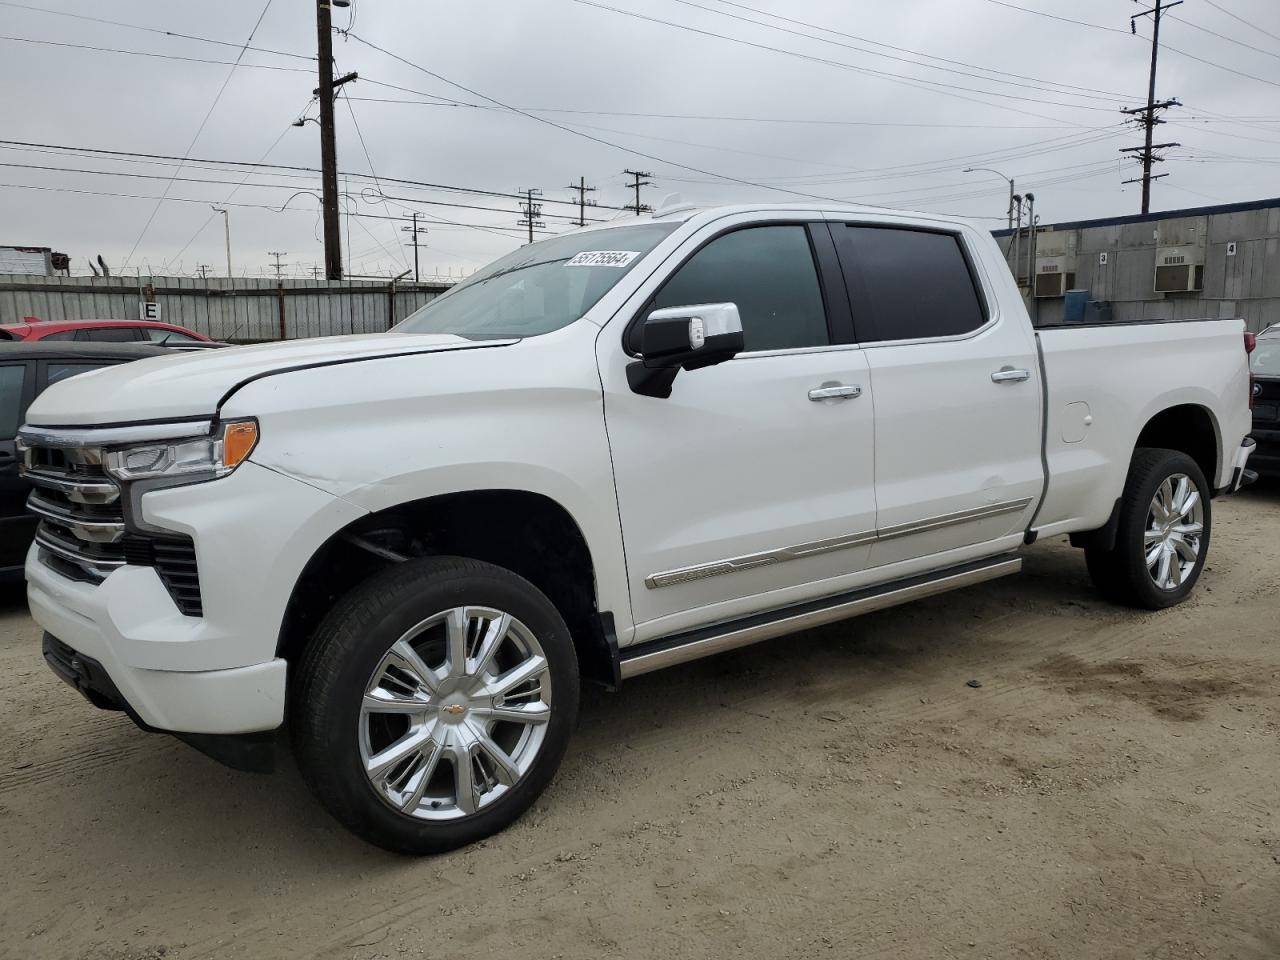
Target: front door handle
x,y
837,392
1010,375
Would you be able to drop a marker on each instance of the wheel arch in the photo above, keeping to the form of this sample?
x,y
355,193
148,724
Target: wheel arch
x,y
528,533
1190,428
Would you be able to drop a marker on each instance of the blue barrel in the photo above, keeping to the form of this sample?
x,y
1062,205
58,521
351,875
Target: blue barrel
x,y
1073,304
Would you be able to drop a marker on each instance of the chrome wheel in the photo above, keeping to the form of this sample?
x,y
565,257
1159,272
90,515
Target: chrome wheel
x,y
1175,528
455,713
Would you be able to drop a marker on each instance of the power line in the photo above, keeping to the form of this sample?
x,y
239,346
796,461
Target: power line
x,y
154,30
248,206
932,86
200,129
1099,26
576,133
1054,16
133,154
1017,79
156,56
378,197
1223,36
199,230
1247,23
730,119
374,173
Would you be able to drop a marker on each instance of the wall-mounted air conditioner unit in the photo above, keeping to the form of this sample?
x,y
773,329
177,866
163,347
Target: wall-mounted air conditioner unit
x,y
1054,276
1180,246
1179,269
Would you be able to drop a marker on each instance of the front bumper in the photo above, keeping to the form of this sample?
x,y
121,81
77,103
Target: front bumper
x,y
252,751
234,700
254,532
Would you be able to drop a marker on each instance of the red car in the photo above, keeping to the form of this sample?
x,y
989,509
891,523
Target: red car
x,y
104,331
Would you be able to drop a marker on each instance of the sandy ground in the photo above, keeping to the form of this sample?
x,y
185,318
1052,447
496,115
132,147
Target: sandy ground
x,y
1109,791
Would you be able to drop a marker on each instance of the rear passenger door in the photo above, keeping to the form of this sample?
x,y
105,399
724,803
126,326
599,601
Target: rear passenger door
x,y
957,394
16,526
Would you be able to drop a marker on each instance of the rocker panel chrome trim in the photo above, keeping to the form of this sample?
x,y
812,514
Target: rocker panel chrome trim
x,y
670,578
868,601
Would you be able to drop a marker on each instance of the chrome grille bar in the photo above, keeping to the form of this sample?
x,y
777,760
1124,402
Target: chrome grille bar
x,y
84,527
88,492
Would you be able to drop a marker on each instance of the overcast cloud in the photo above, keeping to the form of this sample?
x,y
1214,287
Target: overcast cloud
x,y
895,143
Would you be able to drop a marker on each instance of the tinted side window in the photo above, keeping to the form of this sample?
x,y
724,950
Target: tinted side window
x,y
12,378
65,371
167,336
62,335
769,273
913,284
112,334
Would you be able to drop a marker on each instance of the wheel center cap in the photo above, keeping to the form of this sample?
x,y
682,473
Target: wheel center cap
x,y
453,710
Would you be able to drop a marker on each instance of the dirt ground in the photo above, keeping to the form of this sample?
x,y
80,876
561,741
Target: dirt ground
x,y
1109,791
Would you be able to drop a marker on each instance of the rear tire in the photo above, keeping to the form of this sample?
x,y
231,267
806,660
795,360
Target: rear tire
x,y
1163,534
434,704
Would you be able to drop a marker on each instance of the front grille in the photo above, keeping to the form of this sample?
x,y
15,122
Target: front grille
x,y
82,533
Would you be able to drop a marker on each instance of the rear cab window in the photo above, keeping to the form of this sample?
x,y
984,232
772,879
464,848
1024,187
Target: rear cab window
x,y
908,284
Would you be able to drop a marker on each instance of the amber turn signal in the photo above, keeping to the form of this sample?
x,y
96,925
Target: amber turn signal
x,y
238,440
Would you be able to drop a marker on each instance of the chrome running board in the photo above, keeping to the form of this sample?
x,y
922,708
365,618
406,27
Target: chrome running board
x,y
706,641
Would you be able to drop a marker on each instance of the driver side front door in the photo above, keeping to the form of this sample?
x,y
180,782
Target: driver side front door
x,y
749,487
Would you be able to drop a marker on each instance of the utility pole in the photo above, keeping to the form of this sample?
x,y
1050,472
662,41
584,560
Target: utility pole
x,y
1147,115
204,269
279,266
639,181
226,226
582,189
328,144
532,211
415,230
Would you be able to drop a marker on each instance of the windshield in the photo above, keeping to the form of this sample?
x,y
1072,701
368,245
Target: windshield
x,y
1265,361
540,287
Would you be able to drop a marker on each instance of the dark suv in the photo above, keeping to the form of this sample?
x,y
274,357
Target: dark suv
x,y
1265,367
26,369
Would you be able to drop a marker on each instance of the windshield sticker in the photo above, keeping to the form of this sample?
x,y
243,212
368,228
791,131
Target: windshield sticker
x,y
603,258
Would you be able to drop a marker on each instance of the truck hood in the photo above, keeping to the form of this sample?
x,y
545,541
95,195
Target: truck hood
x,y
194,384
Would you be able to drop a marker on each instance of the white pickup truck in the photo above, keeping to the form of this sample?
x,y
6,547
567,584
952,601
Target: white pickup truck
x,y
609,452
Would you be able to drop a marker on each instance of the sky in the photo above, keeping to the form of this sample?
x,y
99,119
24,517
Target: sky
x,y
865,101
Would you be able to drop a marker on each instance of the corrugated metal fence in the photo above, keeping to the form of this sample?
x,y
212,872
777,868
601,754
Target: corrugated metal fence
x,y
225,309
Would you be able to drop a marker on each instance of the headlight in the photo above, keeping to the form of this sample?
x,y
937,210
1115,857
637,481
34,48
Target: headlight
x,y
201,458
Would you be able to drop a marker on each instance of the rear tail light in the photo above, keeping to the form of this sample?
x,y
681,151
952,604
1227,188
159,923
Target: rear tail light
x,y
1250,344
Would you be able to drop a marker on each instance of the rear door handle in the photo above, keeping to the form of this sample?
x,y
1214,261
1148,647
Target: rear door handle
x,y
838,392
1010,375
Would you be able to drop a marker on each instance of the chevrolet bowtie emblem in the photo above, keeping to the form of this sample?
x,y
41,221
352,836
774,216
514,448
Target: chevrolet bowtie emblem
x,y
455,709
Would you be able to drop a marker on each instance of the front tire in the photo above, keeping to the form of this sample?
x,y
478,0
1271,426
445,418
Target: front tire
x,y
1163,535
434,704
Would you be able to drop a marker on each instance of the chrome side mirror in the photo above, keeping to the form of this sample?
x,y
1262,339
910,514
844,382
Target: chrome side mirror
x,y
688,338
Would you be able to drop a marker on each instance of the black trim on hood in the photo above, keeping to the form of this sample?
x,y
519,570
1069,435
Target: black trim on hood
x,y
333,363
